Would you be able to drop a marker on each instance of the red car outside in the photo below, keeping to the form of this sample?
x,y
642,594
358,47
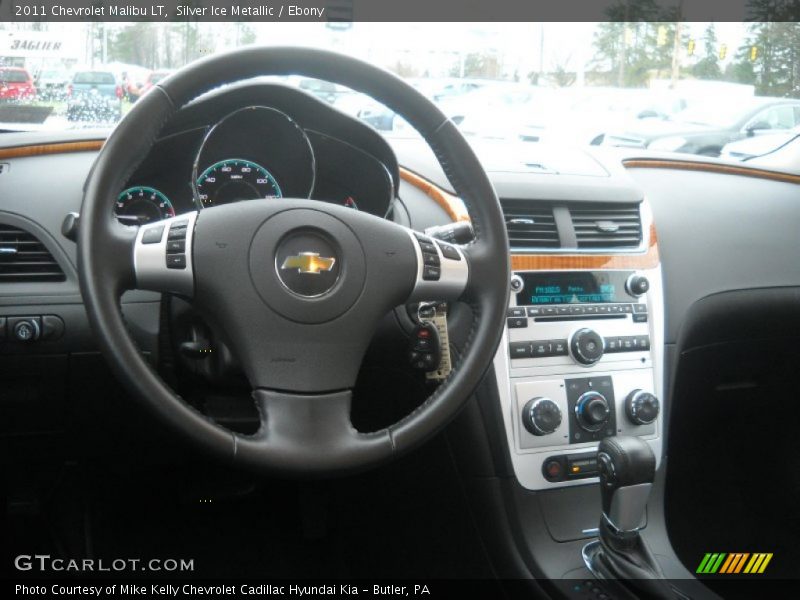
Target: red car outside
x,y
16,84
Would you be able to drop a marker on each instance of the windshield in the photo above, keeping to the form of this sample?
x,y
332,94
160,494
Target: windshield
x,y
576,84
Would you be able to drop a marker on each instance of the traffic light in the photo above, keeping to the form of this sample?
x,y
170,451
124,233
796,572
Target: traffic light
x,y
690,48
753,53
723,51
661,37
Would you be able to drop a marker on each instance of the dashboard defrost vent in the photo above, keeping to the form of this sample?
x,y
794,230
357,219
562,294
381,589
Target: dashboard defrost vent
x,y
23,258
607,225
530,224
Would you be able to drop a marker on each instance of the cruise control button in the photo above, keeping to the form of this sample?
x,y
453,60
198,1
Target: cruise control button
x,y
517,322
520,350
177,233
176,246
176,261
430,273
153,235
430,259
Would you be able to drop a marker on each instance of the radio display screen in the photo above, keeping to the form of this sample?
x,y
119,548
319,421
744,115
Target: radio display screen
x,y
572,288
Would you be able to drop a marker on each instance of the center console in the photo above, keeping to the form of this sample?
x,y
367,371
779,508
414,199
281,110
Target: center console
x,y
580,361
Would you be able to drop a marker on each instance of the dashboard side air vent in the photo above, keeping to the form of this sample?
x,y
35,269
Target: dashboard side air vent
x,y
600,226
530,224
23,258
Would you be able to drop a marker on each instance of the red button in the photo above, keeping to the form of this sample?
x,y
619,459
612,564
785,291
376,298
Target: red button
x,y
423,333
554,469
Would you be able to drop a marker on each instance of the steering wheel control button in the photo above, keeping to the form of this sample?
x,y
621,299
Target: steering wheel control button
x,y
25,329
586,346
176,246
431,273
431,259
641,407
153,235
591,409
176,261
541,416
637,285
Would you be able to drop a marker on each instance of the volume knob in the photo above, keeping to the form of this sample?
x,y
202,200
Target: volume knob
x,y
541,416
586,346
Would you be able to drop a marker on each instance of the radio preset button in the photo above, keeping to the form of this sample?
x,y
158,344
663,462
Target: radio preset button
x,y
520,350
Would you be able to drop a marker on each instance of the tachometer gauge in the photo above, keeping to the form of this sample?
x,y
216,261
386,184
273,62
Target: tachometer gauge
x,y
141,204
236,179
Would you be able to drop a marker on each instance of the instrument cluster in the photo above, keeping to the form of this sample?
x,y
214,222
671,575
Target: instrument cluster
x,y
252,153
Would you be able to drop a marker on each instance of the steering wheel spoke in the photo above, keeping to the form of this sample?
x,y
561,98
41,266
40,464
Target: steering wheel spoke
x,y
162,255
308,433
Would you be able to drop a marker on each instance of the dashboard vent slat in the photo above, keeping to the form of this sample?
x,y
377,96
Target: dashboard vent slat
x,y
23,258
529,224
599,226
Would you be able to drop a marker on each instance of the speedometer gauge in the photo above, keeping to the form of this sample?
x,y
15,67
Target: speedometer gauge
x,y
236,179
140,204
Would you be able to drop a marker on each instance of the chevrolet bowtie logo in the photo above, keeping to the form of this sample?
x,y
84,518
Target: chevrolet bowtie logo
x,y
308,262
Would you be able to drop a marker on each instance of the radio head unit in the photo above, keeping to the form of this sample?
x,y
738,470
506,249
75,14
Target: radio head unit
x,y
575,287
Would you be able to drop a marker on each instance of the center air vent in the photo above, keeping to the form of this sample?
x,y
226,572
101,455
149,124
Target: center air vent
x,y
530,224
23,258
607,225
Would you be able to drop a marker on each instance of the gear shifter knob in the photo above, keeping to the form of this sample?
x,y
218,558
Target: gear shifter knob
x,y
627,467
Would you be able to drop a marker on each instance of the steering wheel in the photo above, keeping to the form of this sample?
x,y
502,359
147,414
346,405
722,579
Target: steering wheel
x,y
295,288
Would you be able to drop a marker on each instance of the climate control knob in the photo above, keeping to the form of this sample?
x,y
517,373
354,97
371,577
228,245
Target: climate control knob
x,y
541,416
586,346
592,411
641,407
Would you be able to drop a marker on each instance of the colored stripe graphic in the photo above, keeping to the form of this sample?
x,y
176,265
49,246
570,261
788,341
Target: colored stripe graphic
x,y
734,563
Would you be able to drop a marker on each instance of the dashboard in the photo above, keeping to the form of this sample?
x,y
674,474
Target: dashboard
x,y
265,151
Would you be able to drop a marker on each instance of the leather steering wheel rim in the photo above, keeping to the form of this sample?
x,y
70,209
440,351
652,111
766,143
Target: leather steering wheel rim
x,y
306,431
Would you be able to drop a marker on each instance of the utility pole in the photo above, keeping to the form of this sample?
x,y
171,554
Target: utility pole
x,y
676,49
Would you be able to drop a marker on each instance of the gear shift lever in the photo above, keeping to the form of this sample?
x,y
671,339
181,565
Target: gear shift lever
x,y
627,468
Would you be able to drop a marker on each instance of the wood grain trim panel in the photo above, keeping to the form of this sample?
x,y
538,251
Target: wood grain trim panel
x,y
553,262
687,165
451,204
58,148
